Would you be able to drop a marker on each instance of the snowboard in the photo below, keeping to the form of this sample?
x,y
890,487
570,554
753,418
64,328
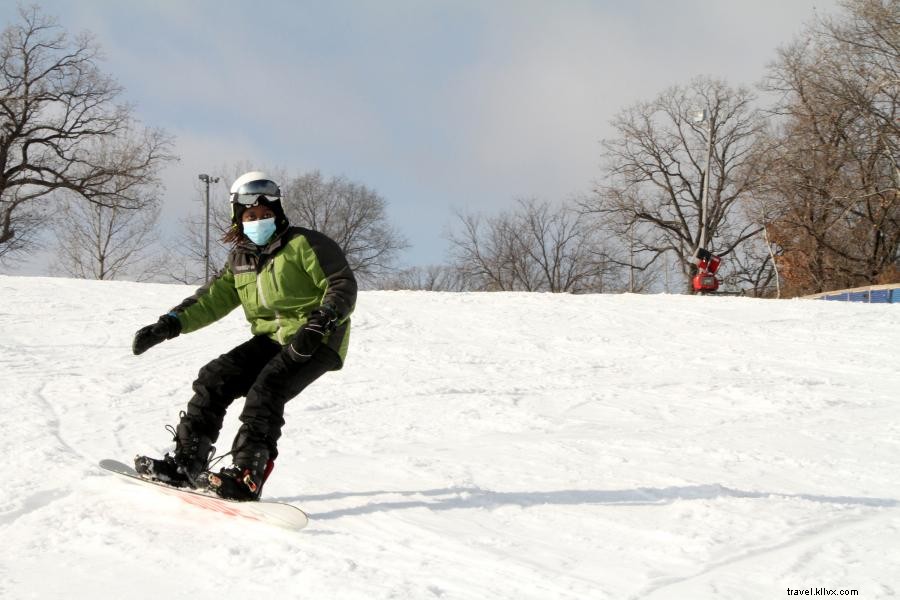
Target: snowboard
x,y
279,514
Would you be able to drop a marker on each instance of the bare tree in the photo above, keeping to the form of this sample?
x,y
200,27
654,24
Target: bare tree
x,y
482,251
537,247
753,269
565,245
633,256
835,177
57,113
352,214
655,169
105,242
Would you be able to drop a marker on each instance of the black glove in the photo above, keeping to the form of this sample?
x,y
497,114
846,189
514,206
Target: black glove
x,y
166,328
320,323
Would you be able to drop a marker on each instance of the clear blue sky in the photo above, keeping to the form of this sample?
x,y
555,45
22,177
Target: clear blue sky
x,y
436,105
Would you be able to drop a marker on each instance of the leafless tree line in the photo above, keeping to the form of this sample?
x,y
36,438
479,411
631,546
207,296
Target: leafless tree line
x,y
535,247
805,190
801,195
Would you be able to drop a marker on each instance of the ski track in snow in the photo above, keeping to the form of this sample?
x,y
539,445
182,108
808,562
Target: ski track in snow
x,y
525,446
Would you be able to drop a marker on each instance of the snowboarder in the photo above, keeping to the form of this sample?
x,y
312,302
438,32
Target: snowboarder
x,y
297,292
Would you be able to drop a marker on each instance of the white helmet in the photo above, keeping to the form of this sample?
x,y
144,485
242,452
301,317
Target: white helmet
x,y
247,189
256,188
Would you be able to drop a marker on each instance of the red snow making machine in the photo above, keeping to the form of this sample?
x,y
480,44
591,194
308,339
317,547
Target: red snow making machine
x,y
705,280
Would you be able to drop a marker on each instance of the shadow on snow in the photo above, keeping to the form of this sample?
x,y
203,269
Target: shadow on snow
x,y
473,497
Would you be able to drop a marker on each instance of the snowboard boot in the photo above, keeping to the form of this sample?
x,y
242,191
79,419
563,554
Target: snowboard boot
x,y
184,469
163,469
243,480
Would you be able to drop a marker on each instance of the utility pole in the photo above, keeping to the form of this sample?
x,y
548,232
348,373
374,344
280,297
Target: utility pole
x,y
705,116
207,179
707,264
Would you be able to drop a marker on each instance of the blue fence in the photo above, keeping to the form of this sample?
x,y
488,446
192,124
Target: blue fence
x,y
882,294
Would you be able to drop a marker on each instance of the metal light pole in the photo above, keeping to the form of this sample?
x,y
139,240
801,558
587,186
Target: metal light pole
x,y
699,117
207,179
707,264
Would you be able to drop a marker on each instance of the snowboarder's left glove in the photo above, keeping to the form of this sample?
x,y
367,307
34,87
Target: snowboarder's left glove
x,y
166,328
321,322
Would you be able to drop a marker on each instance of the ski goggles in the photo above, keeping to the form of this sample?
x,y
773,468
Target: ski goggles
x,y
249,193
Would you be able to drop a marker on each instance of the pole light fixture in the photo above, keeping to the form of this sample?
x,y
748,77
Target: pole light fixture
x,y
207,180
705,281
698,117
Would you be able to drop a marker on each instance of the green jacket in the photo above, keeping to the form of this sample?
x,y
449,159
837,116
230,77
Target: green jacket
x,y
278,287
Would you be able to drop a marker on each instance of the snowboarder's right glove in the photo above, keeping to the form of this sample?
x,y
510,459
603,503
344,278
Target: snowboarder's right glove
x,y
166,328
320,323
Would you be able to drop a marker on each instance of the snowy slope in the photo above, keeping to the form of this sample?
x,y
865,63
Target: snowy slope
x,y
476,446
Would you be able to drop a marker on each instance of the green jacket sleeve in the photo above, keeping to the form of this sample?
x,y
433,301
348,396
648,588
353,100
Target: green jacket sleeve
x,y
209,304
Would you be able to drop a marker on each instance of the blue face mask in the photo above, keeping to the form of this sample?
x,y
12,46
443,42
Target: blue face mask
x,y
259,232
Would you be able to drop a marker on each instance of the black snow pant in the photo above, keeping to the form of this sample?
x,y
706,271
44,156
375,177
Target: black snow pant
x,y
261,371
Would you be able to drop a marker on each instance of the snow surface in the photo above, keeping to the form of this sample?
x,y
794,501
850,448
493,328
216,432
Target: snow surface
x,y
523,446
